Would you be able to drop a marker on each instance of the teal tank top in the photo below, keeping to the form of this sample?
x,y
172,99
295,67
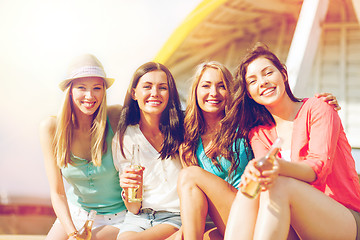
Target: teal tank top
x,y
95,188
206,164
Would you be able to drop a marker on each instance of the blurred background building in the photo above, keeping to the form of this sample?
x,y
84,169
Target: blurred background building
x,y
318,40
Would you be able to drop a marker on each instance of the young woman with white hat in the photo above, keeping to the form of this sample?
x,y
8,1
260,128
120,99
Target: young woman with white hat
x,y
77,146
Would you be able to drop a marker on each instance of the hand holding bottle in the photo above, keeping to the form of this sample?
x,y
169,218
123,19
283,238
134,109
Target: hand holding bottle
x,y
72,238
84,233
268,177
260,173
131,179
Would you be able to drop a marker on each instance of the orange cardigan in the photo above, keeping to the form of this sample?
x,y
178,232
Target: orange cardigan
x,y
320,141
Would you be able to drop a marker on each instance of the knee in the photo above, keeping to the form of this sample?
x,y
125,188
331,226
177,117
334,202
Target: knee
x,y
127,236
284,184
187,177
282,188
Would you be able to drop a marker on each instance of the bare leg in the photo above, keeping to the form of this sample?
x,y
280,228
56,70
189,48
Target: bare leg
x,y
57,232
105,232
242,219
201,192
212,234
176,236
311,213
292,234
193,205
158,232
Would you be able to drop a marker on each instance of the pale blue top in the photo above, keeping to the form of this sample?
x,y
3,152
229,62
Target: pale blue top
x,y
95,188
206,164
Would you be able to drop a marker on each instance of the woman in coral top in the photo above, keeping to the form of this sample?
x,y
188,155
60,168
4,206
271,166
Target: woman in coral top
x,y
313,191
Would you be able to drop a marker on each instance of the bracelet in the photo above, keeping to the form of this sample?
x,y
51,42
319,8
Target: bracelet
x,y
73,233
123,195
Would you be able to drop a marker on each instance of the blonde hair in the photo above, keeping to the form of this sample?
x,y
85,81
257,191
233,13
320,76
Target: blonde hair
x,y
66,121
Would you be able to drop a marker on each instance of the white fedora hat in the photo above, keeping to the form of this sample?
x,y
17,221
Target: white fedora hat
x,y
86,65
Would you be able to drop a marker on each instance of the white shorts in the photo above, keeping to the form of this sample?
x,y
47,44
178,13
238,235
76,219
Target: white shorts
x,y
79,217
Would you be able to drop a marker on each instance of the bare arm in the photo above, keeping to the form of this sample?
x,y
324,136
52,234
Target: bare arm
x,y
57,190
113,113
128,178
298,170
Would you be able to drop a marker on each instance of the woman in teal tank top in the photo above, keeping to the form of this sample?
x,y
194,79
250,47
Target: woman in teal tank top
x,y
208,186
77,146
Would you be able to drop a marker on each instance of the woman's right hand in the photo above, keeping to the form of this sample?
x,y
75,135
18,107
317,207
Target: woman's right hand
x,y
131,177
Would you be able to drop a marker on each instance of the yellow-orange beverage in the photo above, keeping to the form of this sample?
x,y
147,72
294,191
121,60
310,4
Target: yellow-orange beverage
x,y
251,188
85,232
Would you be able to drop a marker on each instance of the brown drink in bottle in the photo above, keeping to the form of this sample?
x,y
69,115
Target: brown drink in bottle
x,y
85,232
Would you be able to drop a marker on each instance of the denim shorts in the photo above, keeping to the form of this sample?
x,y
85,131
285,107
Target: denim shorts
x,y
148,218
79,217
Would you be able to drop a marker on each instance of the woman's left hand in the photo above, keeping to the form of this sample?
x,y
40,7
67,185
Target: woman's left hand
x,y
268,177
330,99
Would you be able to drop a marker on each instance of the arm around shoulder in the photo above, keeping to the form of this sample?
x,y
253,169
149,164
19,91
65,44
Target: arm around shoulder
x,y
113,113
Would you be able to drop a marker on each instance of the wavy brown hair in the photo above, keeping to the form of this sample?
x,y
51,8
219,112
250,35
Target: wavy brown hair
x,y
171,120
194,123
245,113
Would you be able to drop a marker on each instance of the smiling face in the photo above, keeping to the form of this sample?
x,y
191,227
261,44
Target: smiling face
x,y
211,92
264,82
152,93
87,94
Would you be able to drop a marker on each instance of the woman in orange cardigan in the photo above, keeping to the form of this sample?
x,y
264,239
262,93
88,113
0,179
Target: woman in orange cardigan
x,y
313,186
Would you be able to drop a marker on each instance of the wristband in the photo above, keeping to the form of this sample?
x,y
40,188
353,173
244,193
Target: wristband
x,y
73,234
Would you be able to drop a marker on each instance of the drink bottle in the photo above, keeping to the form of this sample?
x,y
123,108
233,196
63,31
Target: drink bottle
x,y
135,194
85,232
251,188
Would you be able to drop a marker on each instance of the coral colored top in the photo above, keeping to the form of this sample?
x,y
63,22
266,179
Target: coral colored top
x,y
320,141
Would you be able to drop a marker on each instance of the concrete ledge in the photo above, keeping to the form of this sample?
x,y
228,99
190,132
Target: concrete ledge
x,y
26,220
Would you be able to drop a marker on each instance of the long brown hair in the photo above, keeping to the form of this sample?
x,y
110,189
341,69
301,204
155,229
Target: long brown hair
x,y
171,120
194,123
245,113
